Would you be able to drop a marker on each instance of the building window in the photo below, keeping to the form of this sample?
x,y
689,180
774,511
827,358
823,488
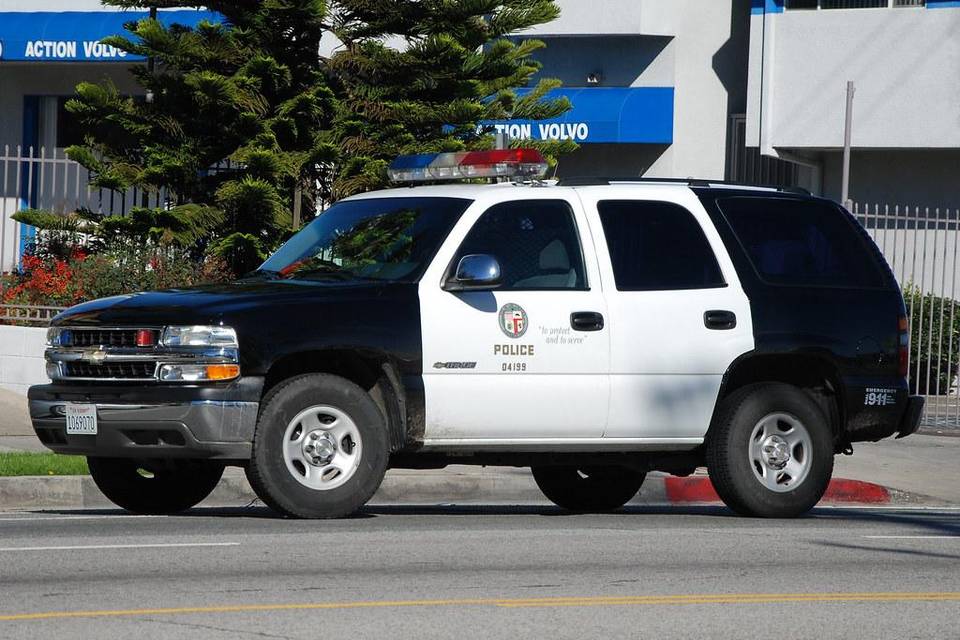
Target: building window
x,y
852,4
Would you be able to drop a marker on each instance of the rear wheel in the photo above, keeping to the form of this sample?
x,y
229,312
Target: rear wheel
x,y
155,486
770,451
320,449
588,488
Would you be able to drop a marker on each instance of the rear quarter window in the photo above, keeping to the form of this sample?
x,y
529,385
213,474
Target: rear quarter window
x,y
801,242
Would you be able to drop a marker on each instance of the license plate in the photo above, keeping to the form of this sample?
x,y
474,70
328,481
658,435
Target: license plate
x,y
82,419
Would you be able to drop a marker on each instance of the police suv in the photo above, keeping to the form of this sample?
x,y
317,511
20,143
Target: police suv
x,y
591,330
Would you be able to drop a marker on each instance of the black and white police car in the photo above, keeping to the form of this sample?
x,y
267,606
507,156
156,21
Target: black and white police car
x,y
592,330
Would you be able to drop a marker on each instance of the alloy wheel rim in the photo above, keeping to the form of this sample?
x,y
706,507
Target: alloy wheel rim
x,y
322,447
780,452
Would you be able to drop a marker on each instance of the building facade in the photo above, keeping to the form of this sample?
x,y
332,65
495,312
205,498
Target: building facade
x,y
903,57
667,73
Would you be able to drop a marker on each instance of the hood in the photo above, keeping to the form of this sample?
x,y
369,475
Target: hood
x,y
213,304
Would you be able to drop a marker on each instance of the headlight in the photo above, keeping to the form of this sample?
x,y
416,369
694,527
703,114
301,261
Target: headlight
x,y
198,372
199,336
59,337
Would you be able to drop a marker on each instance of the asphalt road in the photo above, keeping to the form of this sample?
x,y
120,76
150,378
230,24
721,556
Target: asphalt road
x,y
481,572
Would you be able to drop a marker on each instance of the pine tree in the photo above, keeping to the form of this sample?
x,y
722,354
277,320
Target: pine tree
x,y
248,91
422,76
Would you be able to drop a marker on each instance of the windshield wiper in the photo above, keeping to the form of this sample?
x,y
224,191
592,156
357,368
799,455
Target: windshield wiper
x,y
324,270
265,274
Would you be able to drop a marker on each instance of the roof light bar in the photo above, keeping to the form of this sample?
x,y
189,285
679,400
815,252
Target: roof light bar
x,y
509,163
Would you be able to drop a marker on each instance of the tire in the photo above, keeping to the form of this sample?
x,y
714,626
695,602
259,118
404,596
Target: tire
x,y
588,489
155,487
770,451
345,433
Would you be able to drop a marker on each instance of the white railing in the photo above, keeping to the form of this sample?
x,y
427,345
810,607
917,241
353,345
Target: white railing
x,y
922,246
46,179
32,178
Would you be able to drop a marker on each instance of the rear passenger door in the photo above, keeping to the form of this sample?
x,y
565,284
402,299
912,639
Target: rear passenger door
x,y
677,314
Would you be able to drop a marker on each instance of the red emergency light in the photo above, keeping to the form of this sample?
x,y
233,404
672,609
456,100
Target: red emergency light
x,y
496,163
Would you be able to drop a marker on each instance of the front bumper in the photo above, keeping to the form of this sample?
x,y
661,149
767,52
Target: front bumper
x,y
148,421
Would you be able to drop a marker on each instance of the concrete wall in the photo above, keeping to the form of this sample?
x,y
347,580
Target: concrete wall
x,y
912,177
699,47
21,358
905,62
613,17
54,5
710,80
19,79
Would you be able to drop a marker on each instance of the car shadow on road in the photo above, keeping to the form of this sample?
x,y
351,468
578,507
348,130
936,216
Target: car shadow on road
x,y
914,522
932,522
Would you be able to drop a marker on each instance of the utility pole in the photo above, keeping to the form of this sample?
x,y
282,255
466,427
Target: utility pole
x,y
847,132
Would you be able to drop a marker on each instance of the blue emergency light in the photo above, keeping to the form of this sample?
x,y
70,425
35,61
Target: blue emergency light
x,y
497,163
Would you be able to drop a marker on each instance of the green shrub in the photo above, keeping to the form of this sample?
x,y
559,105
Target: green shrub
x,y
934,341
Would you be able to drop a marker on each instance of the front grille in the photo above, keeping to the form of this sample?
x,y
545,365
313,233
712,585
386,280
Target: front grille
x,y
107,370
106,337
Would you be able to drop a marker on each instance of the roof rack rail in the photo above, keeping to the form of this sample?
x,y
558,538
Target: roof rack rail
x,y
586,181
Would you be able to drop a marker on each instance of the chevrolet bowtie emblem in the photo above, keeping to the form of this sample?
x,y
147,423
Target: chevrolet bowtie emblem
x,y
95,357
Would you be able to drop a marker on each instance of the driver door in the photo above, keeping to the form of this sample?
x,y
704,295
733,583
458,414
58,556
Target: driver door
x,y
508,364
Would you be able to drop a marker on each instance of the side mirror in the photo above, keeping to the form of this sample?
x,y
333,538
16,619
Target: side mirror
x,y
475,272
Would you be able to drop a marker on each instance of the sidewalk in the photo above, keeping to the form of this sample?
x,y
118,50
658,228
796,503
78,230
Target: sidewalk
x,y
921,464
16,434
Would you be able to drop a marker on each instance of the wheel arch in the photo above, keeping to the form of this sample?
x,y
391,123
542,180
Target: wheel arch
x,y
372,371
814,373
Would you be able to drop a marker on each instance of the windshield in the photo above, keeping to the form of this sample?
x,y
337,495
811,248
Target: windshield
x,y
388,239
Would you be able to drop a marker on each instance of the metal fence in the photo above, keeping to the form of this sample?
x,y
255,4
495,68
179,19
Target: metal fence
x,y
27,315
922,245
32,178
38,178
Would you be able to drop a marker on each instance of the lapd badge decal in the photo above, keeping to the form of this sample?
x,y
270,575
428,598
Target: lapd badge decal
x,y
513,320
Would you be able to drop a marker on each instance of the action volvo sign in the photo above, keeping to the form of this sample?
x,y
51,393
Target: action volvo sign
x,y
602,114
75,36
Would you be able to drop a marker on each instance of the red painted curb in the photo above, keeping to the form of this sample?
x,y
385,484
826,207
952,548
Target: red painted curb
x,y
841,490
699,489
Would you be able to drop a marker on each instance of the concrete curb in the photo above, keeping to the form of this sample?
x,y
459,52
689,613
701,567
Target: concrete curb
x,y
507,486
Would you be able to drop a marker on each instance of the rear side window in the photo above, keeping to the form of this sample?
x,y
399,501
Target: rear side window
x,y
801,242
656,246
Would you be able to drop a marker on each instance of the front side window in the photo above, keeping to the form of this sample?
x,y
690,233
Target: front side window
x,y
535,242
388,239
657,246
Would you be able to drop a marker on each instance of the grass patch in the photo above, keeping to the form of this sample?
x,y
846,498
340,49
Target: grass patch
x,y
42,464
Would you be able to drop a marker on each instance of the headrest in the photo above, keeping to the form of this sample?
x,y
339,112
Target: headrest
x,y
554,257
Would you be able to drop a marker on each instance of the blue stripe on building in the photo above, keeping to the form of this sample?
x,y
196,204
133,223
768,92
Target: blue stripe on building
x,y
760,7
603,114
74,36
766,6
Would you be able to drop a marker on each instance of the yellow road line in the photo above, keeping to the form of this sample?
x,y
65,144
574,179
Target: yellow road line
x,y
560,601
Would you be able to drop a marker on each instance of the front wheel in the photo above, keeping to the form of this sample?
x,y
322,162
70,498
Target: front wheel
x,y
154,486
588,488
320,449
770,451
